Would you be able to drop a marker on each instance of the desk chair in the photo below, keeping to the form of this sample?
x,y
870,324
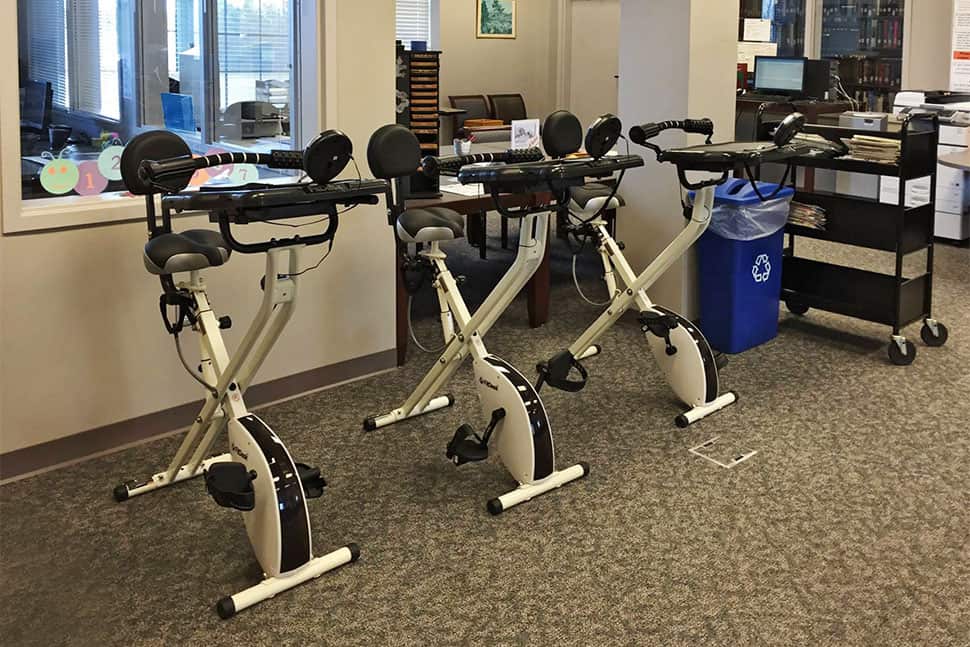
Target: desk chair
x,y
508,107
474,105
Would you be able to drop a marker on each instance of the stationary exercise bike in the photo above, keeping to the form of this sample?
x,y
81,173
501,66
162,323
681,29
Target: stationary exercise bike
x,y
517,419
683,354
257,476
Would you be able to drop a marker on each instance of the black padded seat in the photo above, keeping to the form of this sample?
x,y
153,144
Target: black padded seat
x,y
588,199
429,224
195,249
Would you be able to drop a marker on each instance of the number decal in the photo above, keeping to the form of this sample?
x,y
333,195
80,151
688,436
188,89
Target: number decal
x,y
109,163
242,173
90,181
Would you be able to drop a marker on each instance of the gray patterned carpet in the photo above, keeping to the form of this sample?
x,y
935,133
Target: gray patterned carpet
x,y
849,527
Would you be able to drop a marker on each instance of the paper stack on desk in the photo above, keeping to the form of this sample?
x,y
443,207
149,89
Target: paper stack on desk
x,y
874,149
807,215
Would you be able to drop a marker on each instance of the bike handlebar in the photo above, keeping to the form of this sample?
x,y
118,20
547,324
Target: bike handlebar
x,y
640,134
432,166
151,171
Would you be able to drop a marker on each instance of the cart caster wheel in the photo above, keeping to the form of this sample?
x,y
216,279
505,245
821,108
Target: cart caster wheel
x,y
896,355
795,307
934,340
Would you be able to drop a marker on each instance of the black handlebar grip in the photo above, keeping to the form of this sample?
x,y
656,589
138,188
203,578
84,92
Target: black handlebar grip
x,y
699,126
643,132
285,159
149,170
432,166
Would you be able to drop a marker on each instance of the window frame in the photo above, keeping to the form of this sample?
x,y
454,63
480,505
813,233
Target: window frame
x,y
71,211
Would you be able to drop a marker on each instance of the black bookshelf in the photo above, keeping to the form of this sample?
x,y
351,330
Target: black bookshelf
x,y
865,38
418,101
893,299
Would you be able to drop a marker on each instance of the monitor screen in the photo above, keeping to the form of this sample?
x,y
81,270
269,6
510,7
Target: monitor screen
x,y
784,74
35,109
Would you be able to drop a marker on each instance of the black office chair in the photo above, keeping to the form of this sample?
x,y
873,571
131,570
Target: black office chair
x,y
508,107
475,105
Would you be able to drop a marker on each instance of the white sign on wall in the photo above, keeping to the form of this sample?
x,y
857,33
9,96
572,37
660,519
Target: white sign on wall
x,y
960,54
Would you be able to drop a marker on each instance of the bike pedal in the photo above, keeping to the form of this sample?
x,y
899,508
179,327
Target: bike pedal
x,y
231,485
466,447
313,482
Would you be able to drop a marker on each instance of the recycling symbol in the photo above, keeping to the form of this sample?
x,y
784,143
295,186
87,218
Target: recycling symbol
x,y
761,269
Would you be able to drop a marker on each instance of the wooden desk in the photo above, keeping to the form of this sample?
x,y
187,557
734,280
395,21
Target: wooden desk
x,y
537,288
959,161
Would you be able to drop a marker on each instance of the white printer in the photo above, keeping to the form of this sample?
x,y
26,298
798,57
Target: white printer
x,y
952,185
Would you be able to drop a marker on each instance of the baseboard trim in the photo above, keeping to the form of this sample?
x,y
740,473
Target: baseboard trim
x,y
87,444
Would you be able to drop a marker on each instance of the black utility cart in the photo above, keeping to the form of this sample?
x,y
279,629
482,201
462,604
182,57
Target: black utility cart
x,y
891,299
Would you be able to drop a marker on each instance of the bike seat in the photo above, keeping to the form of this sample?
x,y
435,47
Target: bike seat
x,y
430,224
588,199
195,249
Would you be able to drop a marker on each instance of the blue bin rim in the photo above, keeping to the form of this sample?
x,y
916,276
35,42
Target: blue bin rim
x,y
738,192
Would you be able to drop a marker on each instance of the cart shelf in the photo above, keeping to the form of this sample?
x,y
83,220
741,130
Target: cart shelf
x,y
868,223
889,299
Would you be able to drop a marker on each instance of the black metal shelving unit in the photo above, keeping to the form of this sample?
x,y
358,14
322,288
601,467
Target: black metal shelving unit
x,y
417,92
865,38
891,299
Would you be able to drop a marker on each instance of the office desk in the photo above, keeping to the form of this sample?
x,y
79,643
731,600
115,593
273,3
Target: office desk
x,y
537,289
746,108
959,161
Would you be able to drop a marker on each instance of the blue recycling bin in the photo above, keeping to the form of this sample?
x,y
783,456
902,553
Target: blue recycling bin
x,y
740,259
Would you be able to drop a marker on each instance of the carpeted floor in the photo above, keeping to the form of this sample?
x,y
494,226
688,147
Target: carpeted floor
x,y
849,527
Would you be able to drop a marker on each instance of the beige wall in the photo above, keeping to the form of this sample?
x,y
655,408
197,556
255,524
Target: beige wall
x,y
926,55
695,79
471,65
82,345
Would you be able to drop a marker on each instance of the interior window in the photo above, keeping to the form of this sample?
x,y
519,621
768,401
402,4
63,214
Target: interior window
x,y
95,73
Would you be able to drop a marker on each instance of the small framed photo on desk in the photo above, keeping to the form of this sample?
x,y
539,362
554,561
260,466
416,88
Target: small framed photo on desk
x,y
495,19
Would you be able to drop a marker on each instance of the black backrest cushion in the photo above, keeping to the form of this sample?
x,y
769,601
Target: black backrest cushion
x,y
154,146
475,105
508,107
562,134
393,151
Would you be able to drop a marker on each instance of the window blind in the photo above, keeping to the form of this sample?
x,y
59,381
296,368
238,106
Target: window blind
x,y
413,20
93,56
47,46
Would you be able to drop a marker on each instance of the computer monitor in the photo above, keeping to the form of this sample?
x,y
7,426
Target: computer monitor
x,y
779,74
36,105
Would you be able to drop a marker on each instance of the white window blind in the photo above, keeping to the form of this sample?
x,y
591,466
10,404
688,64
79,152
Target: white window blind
x,y
93,54
254,46
413,20
46,22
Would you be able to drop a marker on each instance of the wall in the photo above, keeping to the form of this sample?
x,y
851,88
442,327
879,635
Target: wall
x,y
926,54
471,65
696,79
82,345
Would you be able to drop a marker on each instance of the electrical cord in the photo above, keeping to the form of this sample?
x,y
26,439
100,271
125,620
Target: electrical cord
x,y
414,337
582,295
208,387
318,264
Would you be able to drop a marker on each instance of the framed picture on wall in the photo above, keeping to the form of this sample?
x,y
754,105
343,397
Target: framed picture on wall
x,y
495,18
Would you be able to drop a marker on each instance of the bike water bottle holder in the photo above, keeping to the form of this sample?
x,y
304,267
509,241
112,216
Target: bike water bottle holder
x,y
231,485
555,372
